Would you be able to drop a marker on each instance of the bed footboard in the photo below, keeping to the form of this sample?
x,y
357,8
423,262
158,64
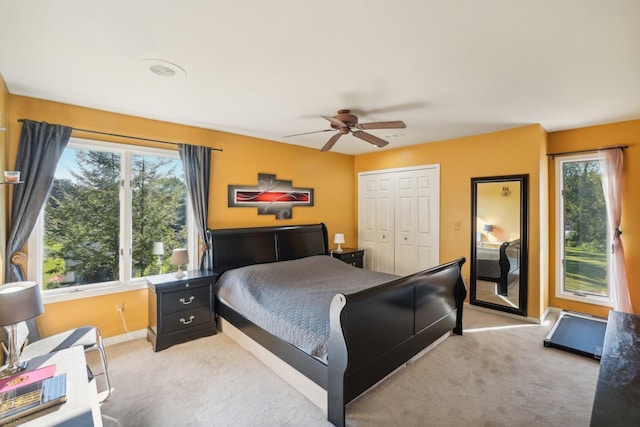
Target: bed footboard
x,y
375,331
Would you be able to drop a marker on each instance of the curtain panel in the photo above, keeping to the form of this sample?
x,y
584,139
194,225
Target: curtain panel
x,y
612,185
39,150
196,162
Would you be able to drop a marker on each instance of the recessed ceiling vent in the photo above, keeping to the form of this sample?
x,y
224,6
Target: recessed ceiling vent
x,y
164,69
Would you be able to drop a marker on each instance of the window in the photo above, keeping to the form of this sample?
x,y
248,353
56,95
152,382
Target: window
x,y
108,208
583,258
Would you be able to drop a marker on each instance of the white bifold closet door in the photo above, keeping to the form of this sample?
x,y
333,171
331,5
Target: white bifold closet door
x,y
399,219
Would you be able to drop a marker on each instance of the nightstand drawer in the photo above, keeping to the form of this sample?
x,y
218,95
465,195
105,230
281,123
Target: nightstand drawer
x,y
185,319
351,256
187,299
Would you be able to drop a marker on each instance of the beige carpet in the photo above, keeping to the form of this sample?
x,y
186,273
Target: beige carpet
x,y
497,374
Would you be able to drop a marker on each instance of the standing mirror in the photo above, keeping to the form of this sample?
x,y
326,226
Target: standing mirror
x,y
499,225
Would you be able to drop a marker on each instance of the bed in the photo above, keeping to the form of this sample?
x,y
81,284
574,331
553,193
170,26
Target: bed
x,y
371,331
499,265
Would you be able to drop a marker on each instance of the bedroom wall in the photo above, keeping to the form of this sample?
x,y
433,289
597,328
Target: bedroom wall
x,y
330,174
4,189
621,133
514,151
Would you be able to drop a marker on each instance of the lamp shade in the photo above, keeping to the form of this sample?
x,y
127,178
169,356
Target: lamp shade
x,y
338,238
487,227
158,248
19,301
179,257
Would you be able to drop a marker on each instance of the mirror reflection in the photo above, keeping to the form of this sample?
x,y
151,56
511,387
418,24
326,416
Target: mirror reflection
x,y
498,273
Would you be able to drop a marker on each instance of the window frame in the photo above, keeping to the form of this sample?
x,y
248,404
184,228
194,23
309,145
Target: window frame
x,y
34,268
560,292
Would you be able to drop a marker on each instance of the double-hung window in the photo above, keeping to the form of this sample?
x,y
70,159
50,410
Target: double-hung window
x,y
112,217
582,238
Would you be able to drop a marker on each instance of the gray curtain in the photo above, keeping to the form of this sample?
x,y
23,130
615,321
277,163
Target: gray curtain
x,y
196,161
40,148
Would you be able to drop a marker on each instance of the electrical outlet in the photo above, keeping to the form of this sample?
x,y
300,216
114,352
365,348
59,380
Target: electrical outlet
x,y
119,307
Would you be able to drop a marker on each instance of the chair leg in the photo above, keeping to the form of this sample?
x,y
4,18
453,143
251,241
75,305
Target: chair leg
x,y
103,358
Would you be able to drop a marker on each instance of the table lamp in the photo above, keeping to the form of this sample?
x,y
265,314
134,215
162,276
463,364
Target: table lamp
x,y
179,257
158,251
339,239
19,301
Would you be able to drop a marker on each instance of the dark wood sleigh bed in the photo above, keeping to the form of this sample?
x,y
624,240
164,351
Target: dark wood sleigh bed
x,y
372,332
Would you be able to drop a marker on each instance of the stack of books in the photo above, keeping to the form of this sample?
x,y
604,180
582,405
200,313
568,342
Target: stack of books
x,y
31,391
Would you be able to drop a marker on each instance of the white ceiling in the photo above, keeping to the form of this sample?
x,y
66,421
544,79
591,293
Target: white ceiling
x,y
273,68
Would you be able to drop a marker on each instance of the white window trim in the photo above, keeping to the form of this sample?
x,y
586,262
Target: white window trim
x,y
34,270
559,291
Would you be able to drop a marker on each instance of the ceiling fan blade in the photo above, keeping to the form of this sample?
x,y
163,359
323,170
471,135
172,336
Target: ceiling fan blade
x,y
397,124
331,142
370,138
308,133
336,122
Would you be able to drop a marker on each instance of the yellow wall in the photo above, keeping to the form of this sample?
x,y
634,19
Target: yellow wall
x,y
511,152
516,151
623,133
4,189
330,174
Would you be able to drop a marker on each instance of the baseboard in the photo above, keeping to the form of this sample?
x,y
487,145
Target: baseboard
x,y
129,336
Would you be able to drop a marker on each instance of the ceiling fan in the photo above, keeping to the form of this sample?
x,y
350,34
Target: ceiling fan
x,y
345,122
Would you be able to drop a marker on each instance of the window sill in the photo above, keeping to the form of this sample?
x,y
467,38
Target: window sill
x,y
61,295
587,299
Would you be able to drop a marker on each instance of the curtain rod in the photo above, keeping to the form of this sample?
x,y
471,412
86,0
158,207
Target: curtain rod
x,y
587,151
127,136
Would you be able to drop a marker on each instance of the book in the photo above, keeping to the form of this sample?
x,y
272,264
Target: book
x,y
26,377
27,399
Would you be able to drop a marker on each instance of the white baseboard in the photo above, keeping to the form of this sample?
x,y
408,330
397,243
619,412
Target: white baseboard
x,y
129,336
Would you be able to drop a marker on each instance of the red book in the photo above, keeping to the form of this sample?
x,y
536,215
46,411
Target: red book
x,y
26,377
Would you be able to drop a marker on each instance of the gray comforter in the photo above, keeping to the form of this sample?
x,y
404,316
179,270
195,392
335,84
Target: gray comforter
x,y
291,299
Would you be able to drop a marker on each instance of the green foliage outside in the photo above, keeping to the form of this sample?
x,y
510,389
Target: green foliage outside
x,y
82,219
585,228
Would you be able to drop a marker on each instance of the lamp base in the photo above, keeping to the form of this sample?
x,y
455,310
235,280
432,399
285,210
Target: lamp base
x,y
339,248
180,274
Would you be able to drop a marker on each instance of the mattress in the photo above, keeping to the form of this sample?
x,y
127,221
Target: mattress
x,y
291,299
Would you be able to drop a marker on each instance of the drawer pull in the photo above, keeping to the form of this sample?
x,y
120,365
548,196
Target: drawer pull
x,y
186,322
185,302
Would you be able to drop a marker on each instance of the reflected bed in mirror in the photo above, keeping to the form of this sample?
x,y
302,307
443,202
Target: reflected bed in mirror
x,y
499,224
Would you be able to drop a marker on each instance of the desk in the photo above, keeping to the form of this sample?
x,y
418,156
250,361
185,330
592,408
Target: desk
x,y
81,408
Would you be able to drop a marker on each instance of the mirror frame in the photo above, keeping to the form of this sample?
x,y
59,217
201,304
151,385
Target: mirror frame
x,y
524,242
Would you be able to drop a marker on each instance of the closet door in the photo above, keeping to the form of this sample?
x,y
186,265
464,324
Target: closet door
x,y
417,220
399,219
376,221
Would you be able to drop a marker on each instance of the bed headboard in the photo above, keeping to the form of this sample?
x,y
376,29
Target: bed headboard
x,y
237,247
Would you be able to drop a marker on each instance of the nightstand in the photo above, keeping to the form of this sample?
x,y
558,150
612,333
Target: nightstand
x,y
180,309
351,256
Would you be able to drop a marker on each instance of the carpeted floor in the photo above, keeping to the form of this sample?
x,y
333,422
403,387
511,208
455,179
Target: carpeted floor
x,y
497,374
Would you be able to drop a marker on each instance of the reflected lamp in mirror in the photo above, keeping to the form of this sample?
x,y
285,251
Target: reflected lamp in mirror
x,y
19,301
179,257
487,228
338,238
